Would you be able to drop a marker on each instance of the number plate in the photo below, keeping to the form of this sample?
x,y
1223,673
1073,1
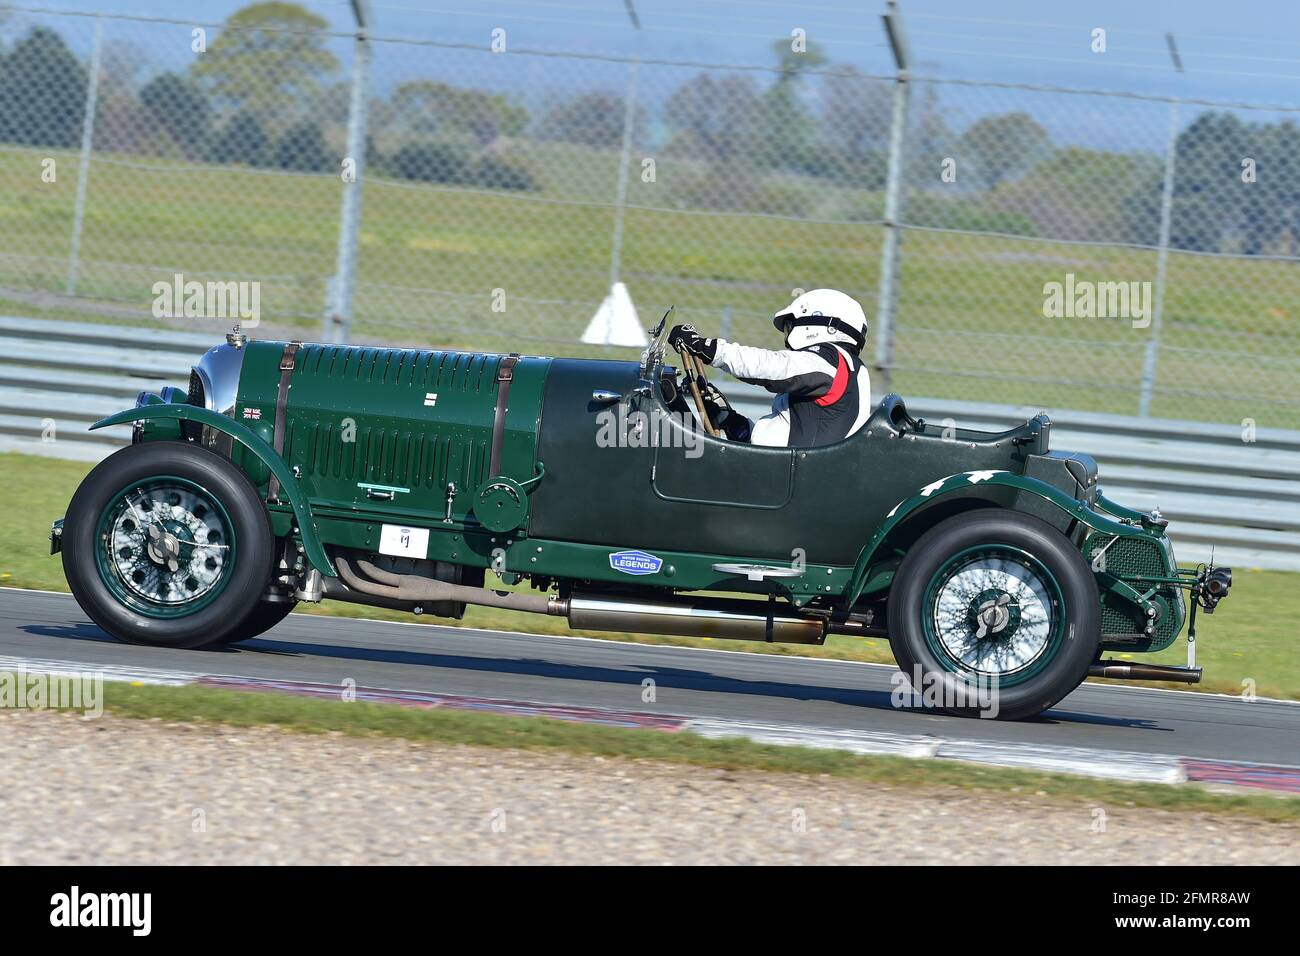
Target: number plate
x,y
404,542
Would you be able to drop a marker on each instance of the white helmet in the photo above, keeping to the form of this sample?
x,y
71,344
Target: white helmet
x,y
823,315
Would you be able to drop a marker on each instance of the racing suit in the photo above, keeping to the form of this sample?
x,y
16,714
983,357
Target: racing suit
x,y
823,392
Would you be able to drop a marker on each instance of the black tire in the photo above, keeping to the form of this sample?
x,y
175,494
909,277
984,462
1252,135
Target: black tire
x,y
266,615
938,618
244,571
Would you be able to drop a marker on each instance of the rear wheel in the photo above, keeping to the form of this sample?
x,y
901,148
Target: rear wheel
x,y
167,544
994,611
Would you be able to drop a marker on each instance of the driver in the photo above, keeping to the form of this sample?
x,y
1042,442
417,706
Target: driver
x,y
822,390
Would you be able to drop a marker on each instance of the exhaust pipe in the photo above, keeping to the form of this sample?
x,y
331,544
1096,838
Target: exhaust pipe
x,y
718,617
1120,670
335,589
408,588
704,617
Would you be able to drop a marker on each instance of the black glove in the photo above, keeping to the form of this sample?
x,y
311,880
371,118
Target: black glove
x,y
724,418
686,337
675,399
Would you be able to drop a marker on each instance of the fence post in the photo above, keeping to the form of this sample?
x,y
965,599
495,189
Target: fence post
x,y
1152,354
887,296
625,160
338,321
87,143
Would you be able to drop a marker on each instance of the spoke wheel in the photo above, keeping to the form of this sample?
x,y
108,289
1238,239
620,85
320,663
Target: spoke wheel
x,y
167,546
995,612
998,602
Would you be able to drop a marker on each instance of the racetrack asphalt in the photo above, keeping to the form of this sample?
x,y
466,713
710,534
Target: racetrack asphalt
x,y
839,695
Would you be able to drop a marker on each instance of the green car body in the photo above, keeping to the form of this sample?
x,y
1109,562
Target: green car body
x,y
575,475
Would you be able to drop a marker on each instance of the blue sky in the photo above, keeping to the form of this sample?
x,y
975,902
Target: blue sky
x,y
1236,53
1231,51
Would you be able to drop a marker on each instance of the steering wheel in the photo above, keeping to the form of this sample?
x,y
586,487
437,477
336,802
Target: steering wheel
x,y
691,368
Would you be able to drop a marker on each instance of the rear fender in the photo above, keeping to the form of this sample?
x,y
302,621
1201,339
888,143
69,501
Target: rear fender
x,y
290,486
981,488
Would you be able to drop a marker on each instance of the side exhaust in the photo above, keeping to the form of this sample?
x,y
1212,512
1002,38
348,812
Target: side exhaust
x,y
735,620
1121,670
732,620
415,588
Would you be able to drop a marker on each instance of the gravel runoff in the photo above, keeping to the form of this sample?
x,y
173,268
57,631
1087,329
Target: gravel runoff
x,y
114,790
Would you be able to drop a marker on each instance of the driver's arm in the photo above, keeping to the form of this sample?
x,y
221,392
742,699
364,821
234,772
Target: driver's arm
x,y
807,372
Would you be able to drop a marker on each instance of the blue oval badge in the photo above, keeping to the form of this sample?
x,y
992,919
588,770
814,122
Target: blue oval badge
x,y
635,562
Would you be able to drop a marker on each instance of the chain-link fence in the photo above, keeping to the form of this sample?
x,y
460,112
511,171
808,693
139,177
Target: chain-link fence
x,y
1068,249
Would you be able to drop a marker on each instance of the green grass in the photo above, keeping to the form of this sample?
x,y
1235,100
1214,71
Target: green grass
x,y
313,715
431,257
1250,637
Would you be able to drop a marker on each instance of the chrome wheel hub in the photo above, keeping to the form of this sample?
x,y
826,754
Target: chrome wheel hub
x,y
993,615
168,545
164,548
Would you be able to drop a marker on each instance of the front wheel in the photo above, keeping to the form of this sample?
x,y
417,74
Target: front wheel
x,y
167,544
266,615
994,612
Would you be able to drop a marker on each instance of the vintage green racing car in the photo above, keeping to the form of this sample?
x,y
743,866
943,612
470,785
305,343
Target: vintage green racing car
x,y
295,472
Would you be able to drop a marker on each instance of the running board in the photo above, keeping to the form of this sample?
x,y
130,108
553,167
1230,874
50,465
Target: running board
x,y
1122,670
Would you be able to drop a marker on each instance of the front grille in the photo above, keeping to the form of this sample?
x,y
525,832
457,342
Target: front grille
x,y
1130,557
193,431
195,396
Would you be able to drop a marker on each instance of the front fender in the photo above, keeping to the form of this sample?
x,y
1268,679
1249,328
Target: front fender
x,y
970,484
290,486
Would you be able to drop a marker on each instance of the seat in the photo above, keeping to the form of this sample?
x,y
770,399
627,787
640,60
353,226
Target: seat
x,y
891,413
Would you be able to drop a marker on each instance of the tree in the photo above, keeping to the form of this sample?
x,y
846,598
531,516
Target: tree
x,y
1237,180
1001,147
856,112
788,127
1078,193
44,92
425,107
718,117
593,119
1273,211
269,59
180,108
433,163
929,141
242,140
302,148
1209,198
122,123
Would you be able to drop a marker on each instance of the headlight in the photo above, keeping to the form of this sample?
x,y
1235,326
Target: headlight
x,y
1215,588
218,379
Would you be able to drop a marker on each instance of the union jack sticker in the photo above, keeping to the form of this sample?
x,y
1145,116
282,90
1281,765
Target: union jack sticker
x,y
253,413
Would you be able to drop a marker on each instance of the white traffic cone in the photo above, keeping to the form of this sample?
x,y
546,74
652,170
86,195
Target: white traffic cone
x,y
616,322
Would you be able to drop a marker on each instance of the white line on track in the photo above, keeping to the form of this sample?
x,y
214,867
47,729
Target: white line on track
x,y
117,672
1086,761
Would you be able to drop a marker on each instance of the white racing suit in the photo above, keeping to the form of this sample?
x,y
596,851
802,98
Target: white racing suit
x,y
822,391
